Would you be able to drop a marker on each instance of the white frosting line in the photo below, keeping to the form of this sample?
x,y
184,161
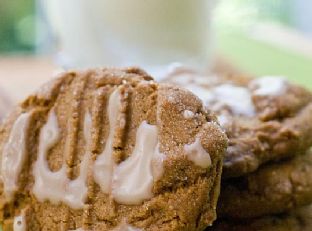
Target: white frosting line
x,y
133,179
104,164
126,227
197,154
269,86
237,99
223,119
48,185
19,223
131,182
188,114
56,186
14,155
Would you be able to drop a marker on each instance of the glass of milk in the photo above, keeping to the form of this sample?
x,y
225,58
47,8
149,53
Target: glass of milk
x,y
152,34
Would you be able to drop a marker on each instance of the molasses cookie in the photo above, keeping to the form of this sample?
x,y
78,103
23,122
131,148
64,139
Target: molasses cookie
x,y
272,189
110,149
266,119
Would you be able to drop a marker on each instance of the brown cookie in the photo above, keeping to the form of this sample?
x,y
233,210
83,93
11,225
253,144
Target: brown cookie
x,y
298,220
110,149
273,189
266,119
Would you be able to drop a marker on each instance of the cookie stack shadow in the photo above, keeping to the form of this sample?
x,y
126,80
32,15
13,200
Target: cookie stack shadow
x,y
267,172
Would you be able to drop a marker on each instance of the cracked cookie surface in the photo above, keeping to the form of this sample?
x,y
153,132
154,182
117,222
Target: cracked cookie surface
x,y
109,149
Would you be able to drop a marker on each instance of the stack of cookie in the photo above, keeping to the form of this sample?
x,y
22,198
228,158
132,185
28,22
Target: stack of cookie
x,y
110,149
267,174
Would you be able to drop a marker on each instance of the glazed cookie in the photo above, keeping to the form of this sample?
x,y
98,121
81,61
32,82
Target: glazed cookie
x,y
266,119
110,149
273,189
298,220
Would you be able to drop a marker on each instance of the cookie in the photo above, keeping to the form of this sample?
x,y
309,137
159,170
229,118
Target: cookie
x,y
273,189
298,220
266,119
110,149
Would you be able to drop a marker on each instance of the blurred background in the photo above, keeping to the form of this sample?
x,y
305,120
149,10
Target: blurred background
x,y
261,37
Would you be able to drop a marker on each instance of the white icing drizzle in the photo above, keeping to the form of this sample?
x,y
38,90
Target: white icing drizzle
x,y
130,182
14,155
133,179
56,186
269,86
19,223
104,164
197,154
188,114
237,99
223,119
126,227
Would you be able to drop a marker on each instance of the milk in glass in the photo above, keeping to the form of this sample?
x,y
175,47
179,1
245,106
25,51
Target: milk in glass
x,y
151,34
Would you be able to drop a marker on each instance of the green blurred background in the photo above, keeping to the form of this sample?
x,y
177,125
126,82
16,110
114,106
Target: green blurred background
x,y
267,37
17,26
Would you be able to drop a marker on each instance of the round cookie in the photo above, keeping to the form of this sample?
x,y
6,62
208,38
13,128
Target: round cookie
x,y
298,220
110,149
266,119
273,189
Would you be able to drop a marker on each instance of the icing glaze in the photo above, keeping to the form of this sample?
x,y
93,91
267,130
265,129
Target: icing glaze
x,y
183,76
104,164
269,86
14,155
197,154
126,227
133,179
130,182
56,186
223,119
188,114
238,99
19,223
